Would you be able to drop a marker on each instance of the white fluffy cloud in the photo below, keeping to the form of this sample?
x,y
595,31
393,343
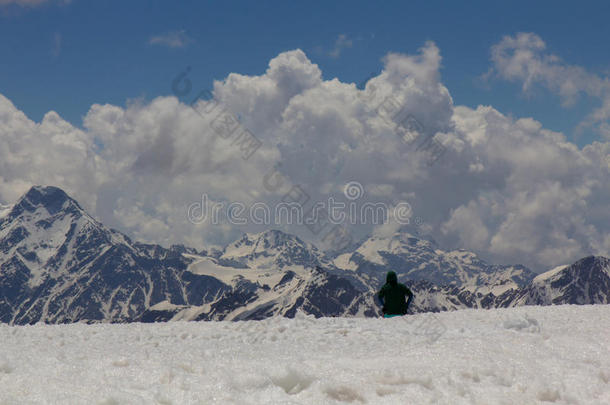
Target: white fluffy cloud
x,y
523,58
509,189
537,196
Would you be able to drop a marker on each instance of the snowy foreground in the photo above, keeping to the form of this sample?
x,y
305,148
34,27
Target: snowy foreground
x,y
521,355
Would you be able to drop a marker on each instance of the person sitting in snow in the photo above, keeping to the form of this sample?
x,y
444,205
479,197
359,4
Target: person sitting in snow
x,y
392,297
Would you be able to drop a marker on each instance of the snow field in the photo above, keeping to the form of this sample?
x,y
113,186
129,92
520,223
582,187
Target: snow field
x,y
526,355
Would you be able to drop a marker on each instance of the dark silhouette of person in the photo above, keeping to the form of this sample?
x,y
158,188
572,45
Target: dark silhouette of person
x,y
392,297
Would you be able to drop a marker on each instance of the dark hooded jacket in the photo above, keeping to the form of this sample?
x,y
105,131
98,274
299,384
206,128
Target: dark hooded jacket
x,y
393,296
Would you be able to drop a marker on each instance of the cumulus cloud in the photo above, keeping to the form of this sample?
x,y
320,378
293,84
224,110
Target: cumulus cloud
x,y
523,58
538,196
172,39
507,188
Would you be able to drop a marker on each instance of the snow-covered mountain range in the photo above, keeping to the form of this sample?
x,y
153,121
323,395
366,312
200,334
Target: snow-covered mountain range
x,y
59,265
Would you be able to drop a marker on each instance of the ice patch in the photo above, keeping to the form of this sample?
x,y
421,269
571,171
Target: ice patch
x,y
292,382
549,395
522,324
344,394
343,262
5,210
391,378
5,367
122,362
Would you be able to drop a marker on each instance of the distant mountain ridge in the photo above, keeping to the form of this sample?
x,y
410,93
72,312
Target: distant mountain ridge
x,y
58,264
422,260
584,282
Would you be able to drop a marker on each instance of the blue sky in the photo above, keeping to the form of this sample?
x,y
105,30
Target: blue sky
x,y
65,57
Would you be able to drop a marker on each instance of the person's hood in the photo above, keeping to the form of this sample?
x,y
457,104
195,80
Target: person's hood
x,y
391,278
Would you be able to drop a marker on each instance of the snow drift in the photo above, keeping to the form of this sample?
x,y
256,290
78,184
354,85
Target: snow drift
x,y
525,355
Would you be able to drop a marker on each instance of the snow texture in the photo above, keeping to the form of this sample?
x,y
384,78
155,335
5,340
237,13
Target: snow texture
x,y
526,355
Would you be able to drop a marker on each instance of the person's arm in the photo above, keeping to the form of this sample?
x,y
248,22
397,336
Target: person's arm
x,y
380,296
409,295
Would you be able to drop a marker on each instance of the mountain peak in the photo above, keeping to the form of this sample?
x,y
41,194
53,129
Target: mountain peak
x,y
271,247
275,237
269,239
583,268
52,198
46,192
593,262
586,281
588,269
